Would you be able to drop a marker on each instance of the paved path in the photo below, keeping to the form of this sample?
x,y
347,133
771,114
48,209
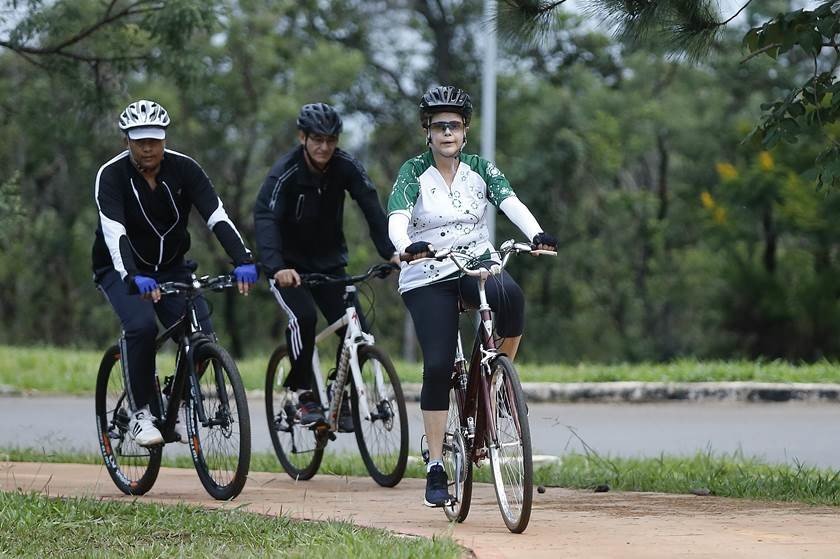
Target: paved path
x,y
568,524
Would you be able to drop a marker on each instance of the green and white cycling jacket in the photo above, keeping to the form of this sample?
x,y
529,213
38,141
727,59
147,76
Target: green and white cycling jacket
x,y
446,217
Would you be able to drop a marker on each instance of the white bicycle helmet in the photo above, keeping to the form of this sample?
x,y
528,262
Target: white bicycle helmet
x,y
144,119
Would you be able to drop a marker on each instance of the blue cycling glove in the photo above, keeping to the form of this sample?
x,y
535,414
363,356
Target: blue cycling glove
x,y
245,273
145,284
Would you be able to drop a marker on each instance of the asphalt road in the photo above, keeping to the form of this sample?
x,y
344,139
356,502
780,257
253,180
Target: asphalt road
x,y
778,432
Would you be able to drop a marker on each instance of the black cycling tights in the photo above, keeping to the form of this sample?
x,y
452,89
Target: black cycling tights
x,y
434,310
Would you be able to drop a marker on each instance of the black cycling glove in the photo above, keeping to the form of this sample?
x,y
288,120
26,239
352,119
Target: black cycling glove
x,y
418,247
543,238
384,270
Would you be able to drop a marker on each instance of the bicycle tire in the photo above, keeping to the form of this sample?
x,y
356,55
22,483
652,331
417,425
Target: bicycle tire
x,y
296,447
457,463
511,459
132,467
221,450
383,442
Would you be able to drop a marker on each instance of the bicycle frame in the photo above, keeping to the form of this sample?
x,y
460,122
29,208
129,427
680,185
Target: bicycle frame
x,y
188,335
474,402
354,337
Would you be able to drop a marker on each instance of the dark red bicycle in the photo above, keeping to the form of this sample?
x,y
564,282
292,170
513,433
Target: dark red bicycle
x,y
488,417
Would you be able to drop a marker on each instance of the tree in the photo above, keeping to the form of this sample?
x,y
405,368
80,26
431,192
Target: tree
x,y
691,28
95,42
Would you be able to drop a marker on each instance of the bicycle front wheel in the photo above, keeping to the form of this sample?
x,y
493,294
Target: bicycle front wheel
x,y
382,436
510,446
221,444
457,463
296,447
133,468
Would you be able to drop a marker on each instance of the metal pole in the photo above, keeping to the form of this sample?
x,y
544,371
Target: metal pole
x,y
488,100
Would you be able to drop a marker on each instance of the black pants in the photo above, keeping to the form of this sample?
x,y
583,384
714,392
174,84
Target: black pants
x,y
139,328
435,309
299,305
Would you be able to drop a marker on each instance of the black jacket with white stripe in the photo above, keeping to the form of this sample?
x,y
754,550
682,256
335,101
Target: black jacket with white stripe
x,y
299,215
143,230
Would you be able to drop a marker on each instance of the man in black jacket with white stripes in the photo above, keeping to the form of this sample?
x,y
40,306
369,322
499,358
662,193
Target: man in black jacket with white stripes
x,y
298,218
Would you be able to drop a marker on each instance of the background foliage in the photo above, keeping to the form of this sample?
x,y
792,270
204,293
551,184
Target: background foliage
x,y
679,239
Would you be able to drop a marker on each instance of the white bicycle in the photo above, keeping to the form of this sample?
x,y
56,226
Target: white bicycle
x,y
365,374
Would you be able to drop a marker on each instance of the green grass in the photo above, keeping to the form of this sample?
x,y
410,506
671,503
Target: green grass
x,y
730,475
725,475
71,371
37,526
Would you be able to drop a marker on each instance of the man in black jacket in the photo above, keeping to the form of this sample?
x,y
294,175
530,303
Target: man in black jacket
x,y
298,217
144,196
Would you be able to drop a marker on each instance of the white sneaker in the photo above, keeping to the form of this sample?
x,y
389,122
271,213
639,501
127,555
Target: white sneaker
x,y
181,423
142,429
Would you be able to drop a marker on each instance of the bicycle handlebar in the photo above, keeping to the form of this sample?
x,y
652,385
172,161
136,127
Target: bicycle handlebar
x,y
381,270
217,283
506,249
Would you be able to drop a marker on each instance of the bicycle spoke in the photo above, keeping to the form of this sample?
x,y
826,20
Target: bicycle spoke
x,y
132,467
221,443
296,447
457,464
382,436
510,454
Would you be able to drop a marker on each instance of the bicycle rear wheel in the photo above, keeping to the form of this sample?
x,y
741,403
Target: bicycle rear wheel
x,y
382,437
510,456
457,463
296,447
133,468
221,447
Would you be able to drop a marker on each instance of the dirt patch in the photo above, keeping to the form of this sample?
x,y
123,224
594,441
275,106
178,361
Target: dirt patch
x,y
564,523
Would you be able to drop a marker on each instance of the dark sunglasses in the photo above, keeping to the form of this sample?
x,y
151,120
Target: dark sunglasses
x,y
454,125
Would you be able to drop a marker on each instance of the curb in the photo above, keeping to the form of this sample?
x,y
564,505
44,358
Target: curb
x,y
6,390
630,392
641,392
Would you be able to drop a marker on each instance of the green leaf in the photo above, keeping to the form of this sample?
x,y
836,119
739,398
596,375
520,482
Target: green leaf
x,y
810,41
751,39
796,109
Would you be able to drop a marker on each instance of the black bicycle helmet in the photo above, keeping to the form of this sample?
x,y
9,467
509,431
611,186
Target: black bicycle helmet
x,y
319,118
445,98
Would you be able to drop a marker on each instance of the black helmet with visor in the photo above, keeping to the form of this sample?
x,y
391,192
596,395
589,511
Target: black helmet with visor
x,y
445,98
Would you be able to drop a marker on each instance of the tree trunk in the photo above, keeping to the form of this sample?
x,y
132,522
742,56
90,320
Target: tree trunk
x,y
770,240
662,182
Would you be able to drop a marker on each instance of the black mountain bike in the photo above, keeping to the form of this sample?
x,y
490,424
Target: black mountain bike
x,y
207,380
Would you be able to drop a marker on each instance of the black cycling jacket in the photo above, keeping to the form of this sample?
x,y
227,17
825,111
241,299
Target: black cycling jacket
x,y
298,215
143,230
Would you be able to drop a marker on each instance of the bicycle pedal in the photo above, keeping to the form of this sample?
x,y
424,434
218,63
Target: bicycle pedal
x,y
282,426
321,439
172,437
